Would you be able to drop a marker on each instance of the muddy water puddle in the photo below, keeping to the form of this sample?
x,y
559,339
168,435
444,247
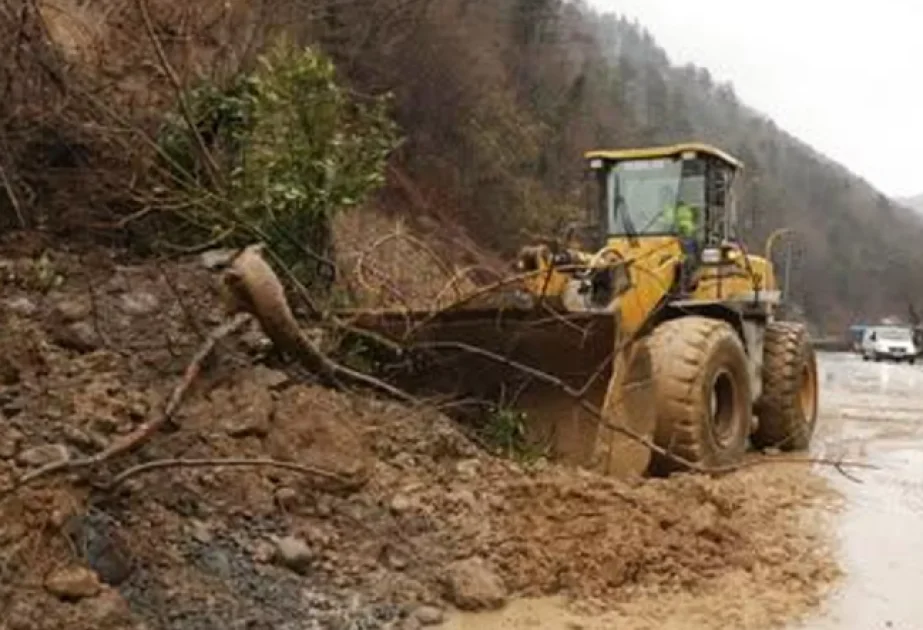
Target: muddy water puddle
x,y
870,412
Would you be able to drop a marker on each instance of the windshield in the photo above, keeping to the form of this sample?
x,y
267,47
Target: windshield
x,y
894,334
640,193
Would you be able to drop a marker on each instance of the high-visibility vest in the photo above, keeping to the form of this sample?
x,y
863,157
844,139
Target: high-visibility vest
x,y
684,219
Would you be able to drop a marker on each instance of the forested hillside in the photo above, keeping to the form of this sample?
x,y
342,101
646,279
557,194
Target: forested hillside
x,y
496,101
501,98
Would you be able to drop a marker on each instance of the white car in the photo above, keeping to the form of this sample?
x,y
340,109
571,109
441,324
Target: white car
x,y
894,343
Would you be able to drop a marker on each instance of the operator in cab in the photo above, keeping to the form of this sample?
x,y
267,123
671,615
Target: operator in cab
x,y
685,220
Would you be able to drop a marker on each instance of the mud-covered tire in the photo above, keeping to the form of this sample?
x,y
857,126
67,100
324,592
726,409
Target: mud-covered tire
x,y
694,357
787,407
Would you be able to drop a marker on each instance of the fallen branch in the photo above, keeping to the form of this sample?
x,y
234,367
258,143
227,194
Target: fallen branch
x,y
347,482
140,435
254,288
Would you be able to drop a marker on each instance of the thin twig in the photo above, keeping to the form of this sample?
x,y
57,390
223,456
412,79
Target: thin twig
x,y
187,312
212,167
11,194
840,465
140,435
347,482
851,477
94,309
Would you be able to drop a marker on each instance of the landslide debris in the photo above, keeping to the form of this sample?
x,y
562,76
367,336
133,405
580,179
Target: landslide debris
x,y
437,522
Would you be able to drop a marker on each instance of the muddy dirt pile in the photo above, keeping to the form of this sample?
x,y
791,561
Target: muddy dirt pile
x,y
410,518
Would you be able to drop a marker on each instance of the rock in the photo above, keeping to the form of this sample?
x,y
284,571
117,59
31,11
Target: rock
x,y
9,372
263,552
429,615
214,258
263,376
73,583
105,550
464,497
79,336
467,468
108,610
411,623
22,306
401,503
255,341
217,562
294,553
139,303
71,310
472,585
12,532
395,560
200,532
12,399
81,439
9,439
324,506
248,425
247,409
287,498
404,460
41,455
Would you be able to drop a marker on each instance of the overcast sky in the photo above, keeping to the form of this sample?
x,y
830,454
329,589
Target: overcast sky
x,y
844,76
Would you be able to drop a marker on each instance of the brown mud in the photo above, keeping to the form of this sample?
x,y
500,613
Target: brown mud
x,y
91,345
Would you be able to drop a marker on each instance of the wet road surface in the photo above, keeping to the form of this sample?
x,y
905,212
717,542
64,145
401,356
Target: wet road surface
x,y
869,412
873,412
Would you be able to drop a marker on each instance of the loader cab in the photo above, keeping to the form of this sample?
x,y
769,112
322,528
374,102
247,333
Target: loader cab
x,y
637,189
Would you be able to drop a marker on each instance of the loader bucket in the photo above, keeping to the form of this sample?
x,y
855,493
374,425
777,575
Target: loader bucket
x,y
554,366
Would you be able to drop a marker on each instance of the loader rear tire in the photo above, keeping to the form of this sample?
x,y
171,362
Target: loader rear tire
x,y
787,408
703,395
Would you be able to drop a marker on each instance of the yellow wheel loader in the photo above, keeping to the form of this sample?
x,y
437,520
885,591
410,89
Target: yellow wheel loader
x,y
652,348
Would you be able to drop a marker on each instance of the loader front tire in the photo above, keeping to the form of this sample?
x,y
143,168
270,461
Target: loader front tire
x,y
703,395
787,408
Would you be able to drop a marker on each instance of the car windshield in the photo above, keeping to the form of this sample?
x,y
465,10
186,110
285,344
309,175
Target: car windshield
x,y
640,192
894,334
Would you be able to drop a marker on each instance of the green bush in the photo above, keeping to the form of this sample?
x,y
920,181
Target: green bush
x,y
292,147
